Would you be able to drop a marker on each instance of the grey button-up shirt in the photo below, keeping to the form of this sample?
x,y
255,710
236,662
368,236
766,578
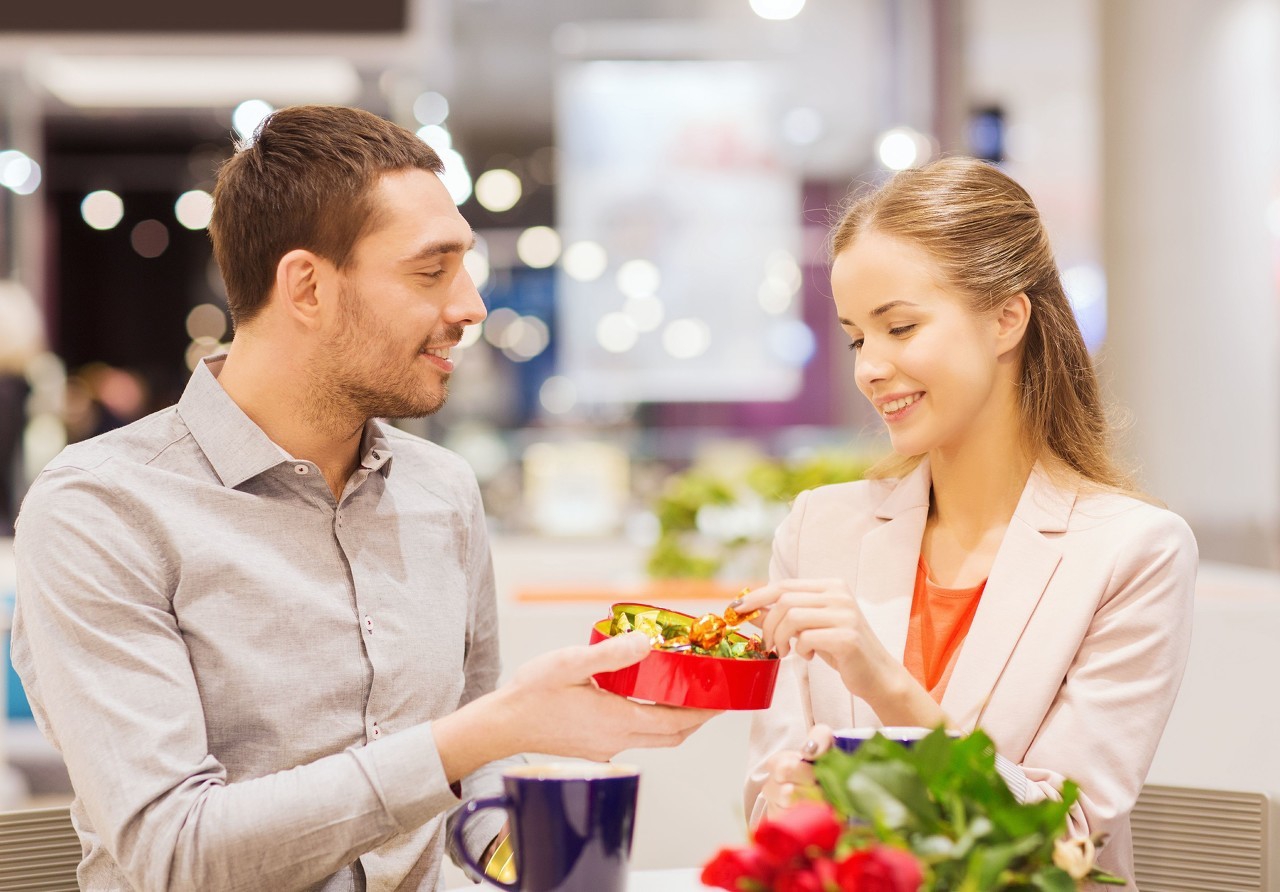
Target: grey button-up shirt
x,y
239,670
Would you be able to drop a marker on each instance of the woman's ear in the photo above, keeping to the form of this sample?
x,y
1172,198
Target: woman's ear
x,y
297,286
1012,320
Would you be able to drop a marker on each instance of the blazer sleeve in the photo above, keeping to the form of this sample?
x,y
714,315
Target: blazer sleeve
x,y
785,724
1103,727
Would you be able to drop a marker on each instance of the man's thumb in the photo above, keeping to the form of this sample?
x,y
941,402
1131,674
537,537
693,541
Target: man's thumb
x,y
617,652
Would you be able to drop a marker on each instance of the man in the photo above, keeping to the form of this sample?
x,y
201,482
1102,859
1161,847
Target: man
x,y
260,625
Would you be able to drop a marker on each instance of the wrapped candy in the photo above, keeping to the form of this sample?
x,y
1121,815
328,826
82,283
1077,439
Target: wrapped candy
x,y
708,631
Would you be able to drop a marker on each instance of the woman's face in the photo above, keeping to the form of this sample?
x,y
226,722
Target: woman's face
x,y
928,364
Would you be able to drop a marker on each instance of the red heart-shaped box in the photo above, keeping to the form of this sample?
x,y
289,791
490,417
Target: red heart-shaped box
x,y
687,679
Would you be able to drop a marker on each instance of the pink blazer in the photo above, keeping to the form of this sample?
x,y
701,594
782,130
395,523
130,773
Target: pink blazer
x,y
1075,654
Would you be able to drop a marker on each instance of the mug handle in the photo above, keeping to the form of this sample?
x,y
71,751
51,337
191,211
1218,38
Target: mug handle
x,y
469,811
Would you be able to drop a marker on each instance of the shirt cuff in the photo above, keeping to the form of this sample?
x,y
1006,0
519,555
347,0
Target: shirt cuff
x,y
1014,776
406,771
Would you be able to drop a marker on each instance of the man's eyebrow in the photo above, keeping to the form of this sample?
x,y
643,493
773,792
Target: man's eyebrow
x,y
881,310
435,249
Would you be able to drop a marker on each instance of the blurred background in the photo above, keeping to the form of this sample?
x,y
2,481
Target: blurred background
x,y
651,183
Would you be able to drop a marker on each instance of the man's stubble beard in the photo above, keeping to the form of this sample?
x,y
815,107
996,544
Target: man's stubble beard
x,y
347,389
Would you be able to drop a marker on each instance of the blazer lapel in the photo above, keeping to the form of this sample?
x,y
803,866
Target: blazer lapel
x,y
887,560
1023,567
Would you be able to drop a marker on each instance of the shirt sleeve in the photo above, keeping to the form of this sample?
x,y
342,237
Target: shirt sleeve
x,y
483,668
100,651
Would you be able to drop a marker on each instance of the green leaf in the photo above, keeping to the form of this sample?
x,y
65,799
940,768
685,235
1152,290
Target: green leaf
x,y
891,792
1053,879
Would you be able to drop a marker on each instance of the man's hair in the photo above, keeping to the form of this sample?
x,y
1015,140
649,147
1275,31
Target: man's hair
x,y
305,181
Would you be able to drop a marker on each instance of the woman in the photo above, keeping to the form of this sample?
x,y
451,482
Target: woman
x,y
997,571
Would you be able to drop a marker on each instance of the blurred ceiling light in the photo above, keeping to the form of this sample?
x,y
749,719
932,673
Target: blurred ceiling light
x,y
558,395
498,190
18,172
430,108
1086,287
194,81
773,299
199,349
585,261
903,147
538,246
777,10
495,326
792,342
194,209
639,278
646,311
686,338
436,136
1273,217
456,177
781,269
206,321
150,238
248,116
526,338
477,266
802,126
102,209
616,332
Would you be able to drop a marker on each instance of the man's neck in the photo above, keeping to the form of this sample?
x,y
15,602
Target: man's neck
x,y
273,389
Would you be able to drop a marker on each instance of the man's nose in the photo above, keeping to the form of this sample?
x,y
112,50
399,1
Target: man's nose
x,y
466,307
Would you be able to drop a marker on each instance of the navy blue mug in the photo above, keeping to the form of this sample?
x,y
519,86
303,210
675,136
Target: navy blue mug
x,y
849,739
571,826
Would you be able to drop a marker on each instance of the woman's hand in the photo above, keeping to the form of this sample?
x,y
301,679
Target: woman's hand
x,y
790,773
821,616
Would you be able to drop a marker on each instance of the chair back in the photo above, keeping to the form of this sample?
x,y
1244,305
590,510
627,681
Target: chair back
x,y
1206,840
39,851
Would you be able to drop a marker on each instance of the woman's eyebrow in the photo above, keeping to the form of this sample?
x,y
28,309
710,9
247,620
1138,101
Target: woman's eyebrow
x,y
880,311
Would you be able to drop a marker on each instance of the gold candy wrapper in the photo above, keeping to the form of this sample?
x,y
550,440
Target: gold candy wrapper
x,y
709,635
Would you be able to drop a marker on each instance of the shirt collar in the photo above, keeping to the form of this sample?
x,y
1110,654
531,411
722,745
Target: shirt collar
x,y
237,448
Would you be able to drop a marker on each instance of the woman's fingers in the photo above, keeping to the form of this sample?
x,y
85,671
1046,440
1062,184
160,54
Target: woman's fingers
x,y
767,595
797,620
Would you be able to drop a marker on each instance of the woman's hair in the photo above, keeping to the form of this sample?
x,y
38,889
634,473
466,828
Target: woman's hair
x,y
305,181
985,234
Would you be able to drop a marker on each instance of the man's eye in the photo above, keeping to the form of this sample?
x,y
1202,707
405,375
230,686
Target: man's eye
x,y
435,275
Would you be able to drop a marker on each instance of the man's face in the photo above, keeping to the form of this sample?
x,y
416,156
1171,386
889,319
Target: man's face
x,y
404,300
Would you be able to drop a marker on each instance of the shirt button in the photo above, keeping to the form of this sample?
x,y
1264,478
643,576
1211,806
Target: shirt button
x,y
368,623
375,455
377,732
301,469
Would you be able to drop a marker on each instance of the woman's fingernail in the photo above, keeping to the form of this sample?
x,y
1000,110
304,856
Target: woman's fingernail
x,y
810,748
735,603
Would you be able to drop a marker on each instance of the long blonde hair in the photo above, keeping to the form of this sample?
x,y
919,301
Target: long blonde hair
x,y
985,234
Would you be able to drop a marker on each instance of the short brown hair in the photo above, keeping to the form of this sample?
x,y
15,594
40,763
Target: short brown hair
x,y
985,234
303,182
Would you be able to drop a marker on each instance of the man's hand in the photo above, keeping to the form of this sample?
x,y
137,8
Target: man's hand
x,y
552,706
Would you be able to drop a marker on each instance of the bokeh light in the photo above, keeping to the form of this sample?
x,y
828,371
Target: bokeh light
x,y
498,190
538,246
194,209
102,209
248,116
585,261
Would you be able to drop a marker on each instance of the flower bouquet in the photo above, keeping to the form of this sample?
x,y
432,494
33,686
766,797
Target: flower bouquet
x,y
935,817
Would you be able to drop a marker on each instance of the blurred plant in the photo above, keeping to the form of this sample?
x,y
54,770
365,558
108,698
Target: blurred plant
x,y
709,517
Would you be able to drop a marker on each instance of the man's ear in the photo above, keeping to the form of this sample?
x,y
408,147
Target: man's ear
x,y
299,285
1012,320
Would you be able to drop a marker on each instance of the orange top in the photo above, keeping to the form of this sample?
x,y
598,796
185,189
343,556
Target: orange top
x,y
940,620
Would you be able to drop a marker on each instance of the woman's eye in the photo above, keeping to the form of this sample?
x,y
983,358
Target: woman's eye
x,y
856,345
901,330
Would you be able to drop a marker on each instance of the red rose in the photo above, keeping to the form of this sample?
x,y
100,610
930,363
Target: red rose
x,y
879,869
732,868
809,824
799,879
